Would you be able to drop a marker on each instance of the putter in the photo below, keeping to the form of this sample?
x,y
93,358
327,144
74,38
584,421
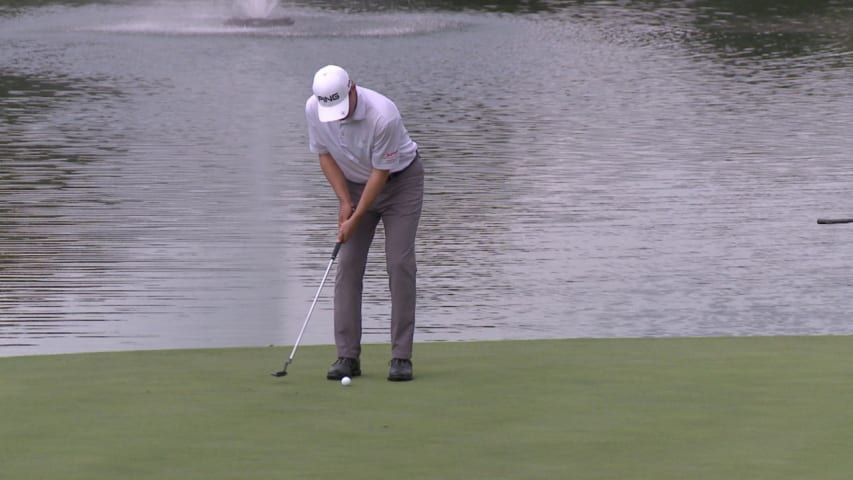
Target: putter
x,y
283,371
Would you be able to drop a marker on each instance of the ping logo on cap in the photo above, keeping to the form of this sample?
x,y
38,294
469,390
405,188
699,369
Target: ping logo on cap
x,y
330,99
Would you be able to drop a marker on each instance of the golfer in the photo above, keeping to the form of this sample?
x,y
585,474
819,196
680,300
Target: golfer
x,y
375,170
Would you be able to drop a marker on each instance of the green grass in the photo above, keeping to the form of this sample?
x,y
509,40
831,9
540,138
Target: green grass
x,y
710,408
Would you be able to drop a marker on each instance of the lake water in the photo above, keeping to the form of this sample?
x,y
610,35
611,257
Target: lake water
x,y
594,169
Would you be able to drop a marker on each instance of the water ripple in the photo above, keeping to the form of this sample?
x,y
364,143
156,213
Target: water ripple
x,y
592,170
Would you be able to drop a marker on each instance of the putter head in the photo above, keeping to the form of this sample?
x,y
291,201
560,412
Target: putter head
x,y
283,370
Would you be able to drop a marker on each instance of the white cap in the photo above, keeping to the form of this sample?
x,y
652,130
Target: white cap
x,y
331,87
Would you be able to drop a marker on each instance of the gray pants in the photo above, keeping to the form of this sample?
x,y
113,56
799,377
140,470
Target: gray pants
x,y
399,207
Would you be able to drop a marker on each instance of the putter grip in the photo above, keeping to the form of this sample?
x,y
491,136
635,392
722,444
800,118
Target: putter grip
x,y
335,251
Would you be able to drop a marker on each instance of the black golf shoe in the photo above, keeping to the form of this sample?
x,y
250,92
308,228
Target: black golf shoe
x,y
344,367
401,370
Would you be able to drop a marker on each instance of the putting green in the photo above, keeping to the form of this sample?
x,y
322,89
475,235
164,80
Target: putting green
x,y
693,408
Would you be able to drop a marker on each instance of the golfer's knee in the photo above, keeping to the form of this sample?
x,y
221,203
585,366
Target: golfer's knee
x,y
402,267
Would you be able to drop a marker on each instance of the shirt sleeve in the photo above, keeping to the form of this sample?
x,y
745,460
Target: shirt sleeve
x,y
314,144
386,144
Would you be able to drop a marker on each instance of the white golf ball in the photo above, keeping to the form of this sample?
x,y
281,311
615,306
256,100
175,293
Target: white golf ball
x,y
346,381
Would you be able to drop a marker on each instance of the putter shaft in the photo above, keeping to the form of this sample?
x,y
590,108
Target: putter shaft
x,y
283,371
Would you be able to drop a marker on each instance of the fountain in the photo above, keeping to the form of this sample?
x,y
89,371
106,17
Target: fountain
x,y
256,13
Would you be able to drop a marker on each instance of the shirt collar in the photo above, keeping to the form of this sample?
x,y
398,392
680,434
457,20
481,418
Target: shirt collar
x,y
360,112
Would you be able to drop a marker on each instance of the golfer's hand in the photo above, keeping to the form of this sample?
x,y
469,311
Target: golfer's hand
x,y
347,228
346,222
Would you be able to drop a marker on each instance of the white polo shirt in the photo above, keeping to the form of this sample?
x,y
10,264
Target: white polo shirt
x,y
372,137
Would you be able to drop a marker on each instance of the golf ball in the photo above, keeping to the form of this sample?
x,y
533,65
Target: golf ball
x,y
346,381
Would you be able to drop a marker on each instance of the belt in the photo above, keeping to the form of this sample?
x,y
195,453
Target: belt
x,y
396,174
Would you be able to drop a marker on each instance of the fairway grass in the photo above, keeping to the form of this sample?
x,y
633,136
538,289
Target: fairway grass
x,y
688,408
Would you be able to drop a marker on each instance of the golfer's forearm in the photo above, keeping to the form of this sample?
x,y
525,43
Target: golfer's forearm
x,y
335,177
375,184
